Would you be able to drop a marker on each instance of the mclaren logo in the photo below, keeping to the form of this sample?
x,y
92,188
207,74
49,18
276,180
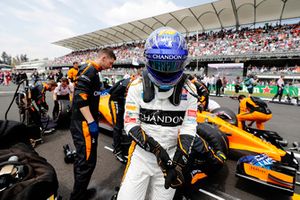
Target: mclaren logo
x,y
163,118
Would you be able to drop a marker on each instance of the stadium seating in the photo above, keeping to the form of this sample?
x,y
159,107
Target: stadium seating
x,y
267,40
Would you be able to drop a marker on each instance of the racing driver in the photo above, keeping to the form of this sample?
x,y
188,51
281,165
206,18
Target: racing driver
x,y
160,116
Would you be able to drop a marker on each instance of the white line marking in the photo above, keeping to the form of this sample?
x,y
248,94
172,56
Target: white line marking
x,y
7,92
228,196
211,194
297,155
108,148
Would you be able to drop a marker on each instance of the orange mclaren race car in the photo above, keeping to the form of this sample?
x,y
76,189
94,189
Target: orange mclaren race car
x,y
281,174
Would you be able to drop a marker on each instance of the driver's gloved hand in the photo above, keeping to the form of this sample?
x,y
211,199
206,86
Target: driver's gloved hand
x,y
163,159
93,129
174,177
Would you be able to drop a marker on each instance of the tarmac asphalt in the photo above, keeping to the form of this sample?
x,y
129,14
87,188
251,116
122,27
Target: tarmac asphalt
x,y
108,172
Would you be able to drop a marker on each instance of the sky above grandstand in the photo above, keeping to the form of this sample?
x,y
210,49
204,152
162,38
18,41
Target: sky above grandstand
x,y
31,26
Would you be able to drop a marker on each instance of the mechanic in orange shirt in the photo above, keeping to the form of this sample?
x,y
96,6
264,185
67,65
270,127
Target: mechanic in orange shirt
x,y
72,73
253,109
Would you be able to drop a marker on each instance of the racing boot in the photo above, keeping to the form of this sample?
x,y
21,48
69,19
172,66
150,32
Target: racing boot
x,y
120,156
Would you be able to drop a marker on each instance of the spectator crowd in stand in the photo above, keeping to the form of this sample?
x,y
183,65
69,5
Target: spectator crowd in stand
x,y
268,39
275,70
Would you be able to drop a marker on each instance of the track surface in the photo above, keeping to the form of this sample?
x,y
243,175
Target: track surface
x,y
108,172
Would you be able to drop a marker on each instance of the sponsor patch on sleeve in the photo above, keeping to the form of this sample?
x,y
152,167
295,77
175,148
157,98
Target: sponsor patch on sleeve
x,y
192,113
184,94
129,119
131,107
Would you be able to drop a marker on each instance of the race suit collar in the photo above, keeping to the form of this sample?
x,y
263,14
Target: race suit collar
x,y
149,90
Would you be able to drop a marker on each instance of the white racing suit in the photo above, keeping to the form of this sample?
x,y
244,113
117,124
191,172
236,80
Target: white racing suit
x,y
165,123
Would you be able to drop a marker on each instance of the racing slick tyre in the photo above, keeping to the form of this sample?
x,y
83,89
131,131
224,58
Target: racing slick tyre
x,y
226,114
215,138
62,113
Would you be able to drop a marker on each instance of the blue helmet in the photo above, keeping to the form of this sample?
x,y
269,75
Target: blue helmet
x,y
166,56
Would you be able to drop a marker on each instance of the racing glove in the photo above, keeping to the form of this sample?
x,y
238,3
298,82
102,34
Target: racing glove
x,y
175,178
93,129
151,145
163,159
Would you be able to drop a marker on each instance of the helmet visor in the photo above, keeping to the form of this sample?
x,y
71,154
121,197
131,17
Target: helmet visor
x,y
164,79
167,61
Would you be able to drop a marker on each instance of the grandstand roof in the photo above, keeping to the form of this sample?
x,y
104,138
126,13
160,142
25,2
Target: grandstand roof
x,y
215,15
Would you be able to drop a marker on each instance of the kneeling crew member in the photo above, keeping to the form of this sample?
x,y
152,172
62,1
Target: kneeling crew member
x,y
64,90
38,97
84,121
253,109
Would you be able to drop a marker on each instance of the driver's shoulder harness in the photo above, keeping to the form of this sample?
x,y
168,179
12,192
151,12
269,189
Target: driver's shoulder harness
x,y
149,93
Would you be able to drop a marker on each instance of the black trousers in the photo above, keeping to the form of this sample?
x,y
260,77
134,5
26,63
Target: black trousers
x,y
218,91
279,93
118,127
85,161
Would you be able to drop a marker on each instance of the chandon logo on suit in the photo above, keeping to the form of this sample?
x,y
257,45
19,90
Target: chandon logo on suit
x,y
161,117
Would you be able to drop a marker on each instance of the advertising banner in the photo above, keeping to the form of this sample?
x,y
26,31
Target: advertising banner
x,y
293,91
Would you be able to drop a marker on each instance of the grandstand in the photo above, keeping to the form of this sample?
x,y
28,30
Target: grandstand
x,y
5,67
41,66
262,34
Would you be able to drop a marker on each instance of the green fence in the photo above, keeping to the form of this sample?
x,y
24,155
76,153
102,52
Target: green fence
x,y
265,90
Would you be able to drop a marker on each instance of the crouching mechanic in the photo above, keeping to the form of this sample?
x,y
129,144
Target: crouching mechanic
x,y
40,106
63,91
84,126
162,123
253,109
